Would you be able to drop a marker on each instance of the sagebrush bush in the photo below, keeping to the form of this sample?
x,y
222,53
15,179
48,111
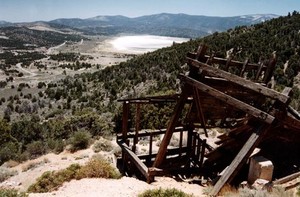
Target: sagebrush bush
x,y
98,168
102,145
6,173
50,181
164,193
35,149
80,140
95,168
4,192
56,146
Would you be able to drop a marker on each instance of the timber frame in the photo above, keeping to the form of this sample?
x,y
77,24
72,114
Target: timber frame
x,y
231,93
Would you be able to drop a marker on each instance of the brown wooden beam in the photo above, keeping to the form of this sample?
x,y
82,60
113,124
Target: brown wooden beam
x,y
172,124
199,110
261,115
241,158
239,81
134,158
125,117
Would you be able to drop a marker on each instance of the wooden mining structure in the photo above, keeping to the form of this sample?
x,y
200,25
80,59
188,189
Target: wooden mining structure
x,y
231,93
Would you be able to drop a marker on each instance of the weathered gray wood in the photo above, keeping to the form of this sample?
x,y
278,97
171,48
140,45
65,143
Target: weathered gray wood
x,y
241,158
261,115
171,126
239,81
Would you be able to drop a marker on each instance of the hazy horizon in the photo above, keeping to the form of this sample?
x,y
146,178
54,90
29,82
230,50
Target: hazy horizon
x,y
46,10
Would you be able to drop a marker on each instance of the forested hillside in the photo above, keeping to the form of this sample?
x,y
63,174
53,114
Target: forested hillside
x,y
87,102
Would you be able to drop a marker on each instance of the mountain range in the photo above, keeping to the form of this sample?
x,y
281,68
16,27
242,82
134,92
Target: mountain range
x,y
181,25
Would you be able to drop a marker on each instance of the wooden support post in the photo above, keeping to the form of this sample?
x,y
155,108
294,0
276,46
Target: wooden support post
x,y
244,67
269,72
180,142
263,116
172,124
150,148
203,145
201,52
199,109
125,120
137,126
241,158
199,143
194,146
258,73
239,81
228,63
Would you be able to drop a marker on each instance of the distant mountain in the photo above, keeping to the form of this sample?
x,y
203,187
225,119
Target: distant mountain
x,y
180,25
163,24
4,23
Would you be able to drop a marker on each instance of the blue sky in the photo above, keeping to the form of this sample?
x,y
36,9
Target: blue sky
x,y
33,10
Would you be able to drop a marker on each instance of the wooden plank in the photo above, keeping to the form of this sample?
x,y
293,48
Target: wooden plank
x,y
261,115
241,158
294,112
270,69
232,63
258,73
228,63
244,67
134,158
287,178
137,126
170,130
125,117
199,109
239,81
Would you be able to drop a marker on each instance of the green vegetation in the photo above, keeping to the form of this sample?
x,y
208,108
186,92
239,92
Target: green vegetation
x,y
80,140
164,193
95,168
11,193
44,121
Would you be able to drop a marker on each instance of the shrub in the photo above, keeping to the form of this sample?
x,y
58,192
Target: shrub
x,y
57,146
8,151
95,168
50,181
80,140
102,145
4,192
35,149
98,168
164,193
6,173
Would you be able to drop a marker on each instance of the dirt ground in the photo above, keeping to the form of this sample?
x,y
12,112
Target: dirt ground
x,y
125,187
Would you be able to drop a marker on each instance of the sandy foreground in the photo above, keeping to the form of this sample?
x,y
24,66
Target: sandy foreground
x,y
125,187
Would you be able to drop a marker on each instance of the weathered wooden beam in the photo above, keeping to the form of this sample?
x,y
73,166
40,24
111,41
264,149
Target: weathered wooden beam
x,y
171,126
239,81
261,115
241,158
244,67
134,158
125,117
231,63
199,109
287,178
270,69
137,126
294,112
